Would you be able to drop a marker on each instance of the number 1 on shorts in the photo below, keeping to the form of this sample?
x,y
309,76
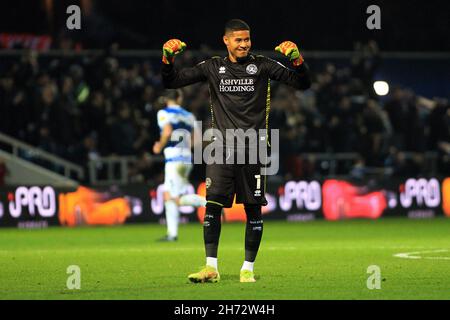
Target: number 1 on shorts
x,y
258,181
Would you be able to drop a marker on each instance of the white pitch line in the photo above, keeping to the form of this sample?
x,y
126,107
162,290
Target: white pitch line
x,y
418,255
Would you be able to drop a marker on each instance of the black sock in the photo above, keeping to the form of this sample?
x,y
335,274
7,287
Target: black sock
x,y
253,231
211,229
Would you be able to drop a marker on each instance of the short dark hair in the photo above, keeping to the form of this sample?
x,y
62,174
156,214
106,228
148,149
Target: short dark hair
x,y
172,94
236,25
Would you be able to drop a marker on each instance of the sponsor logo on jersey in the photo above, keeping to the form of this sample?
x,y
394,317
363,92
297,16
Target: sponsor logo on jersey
x,y
222,69
237,85
251,69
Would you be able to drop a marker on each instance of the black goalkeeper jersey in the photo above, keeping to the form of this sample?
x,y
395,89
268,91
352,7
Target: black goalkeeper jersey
x,y
240,92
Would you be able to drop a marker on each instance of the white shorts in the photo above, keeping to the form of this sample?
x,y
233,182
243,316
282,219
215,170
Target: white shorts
x,y
176,178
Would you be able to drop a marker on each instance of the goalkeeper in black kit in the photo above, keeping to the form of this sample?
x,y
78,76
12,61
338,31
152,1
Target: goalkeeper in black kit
x,y
240,99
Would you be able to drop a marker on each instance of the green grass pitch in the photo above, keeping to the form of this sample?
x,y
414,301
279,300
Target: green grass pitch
x,y
312,260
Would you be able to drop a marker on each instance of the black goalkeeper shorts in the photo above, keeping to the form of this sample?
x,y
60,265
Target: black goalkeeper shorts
x,y
223,181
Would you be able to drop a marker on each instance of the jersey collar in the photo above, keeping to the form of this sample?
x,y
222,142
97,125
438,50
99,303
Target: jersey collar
x,y
249,58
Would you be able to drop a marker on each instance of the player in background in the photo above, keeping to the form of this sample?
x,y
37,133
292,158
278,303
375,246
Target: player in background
x,y
177,131
240,99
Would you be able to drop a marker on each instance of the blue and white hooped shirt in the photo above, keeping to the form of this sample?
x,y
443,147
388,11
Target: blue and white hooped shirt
x,y
183,121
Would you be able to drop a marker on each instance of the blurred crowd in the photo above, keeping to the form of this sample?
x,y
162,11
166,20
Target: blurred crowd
x,y
342,113
83,108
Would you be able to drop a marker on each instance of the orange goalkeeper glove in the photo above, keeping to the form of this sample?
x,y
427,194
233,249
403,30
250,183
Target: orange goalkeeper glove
x,y
170,49
290,50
